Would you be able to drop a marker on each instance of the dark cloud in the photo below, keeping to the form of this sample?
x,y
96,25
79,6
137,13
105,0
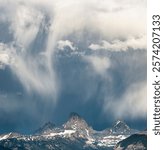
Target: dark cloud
x,y
100,71
82,91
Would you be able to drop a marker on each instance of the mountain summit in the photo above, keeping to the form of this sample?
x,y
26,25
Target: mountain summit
x,y
75,116
120,127
75,122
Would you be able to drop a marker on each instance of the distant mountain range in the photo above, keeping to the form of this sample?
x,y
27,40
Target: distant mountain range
x,y
75,134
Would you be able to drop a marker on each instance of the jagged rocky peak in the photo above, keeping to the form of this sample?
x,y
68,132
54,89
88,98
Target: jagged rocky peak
x,y
75,116
120,123
75,121
120,127
47,127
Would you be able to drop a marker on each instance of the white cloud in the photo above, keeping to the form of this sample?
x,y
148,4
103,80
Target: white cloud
x,y
4,60
5,55
36,75
25,24
99,64
62,44
118,45
31,71
113,20
38,27
35,71
131,105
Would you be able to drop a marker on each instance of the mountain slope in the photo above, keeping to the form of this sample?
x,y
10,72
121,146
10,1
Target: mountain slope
x,y
120,127
135,141
48,127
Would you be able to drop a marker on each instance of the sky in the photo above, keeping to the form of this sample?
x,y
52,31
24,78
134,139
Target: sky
x,y
63,56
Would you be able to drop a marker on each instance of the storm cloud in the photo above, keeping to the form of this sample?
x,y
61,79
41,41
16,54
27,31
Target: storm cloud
x,y
88,53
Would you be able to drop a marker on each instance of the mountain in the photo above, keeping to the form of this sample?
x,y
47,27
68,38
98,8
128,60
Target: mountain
x,y
120,127
135,141
79,125
48,127
73,134
75,121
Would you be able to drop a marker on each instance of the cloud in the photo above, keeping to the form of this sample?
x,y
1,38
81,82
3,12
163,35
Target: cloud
x,y
4,60
26,24
112,19
118,45
31,70
37,76
99,64
124,82
131,105
38,28
5,55
63,44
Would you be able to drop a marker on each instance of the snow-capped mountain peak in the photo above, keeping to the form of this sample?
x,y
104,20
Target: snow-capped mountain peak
x,y
79,125
75,122
120,127
120,124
